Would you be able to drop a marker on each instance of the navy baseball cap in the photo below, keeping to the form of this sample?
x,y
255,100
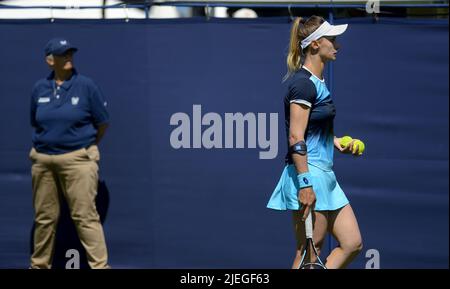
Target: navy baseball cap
x,y
58,46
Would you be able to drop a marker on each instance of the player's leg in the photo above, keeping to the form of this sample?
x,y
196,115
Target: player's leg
x,y
319,232
344,227
46,210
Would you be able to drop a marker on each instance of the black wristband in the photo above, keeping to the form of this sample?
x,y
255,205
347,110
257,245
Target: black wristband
x,y
299,148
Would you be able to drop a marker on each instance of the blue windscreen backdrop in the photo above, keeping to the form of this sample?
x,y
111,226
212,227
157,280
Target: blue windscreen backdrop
x,y
188,186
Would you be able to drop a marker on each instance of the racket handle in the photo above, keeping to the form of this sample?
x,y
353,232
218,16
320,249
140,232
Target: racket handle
x,y
309,226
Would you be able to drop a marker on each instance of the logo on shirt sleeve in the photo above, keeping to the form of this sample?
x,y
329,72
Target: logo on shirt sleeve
x,y
75,100
43,99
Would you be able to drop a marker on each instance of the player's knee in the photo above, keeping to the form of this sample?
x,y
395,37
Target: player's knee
x,y
353,247
357,247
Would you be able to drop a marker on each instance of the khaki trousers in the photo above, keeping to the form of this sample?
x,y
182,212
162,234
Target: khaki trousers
x,y
75,176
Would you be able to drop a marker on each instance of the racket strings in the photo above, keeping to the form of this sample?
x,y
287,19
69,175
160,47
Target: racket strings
x,y
316,264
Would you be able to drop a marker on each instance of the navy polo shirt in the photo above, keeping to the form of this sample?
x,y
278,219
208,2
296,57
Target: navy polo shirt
x,y
65,118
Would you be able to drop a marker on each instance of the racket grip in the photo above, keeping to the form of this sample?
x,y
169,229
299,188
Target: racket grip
x,y
309,226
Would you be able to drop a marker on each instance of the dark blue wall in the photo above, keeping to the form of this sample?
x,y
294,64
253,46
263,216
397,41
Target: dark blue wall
x,y
192,208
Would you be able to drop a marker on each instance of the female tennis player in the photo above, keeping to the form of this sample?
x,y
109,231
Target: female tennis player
x,y
308,182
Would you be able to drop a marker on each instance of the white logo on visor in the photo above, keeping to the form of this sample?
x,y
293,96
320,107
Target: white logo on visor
x,y
63,42
75,100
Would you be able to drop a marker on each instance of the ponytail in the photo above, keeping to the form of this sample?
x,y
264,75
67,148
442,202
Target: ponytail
x,y
294,56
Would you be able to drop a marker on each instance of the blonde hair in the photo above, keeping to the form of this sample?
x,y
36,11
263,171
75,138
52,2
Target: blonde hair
x,y
301,29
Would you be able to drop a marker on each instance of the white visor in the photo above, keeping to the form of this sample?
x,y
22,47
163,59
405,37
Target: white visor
x,y
326,29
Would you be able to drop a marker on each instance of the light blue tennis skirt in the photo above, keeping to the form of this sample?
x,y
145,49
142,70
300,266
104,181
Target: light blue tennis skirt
x,y
329,195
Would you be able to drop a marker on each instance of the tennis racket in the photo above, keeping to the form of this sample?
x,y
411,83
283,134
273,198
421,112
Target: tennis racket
x,y
314,262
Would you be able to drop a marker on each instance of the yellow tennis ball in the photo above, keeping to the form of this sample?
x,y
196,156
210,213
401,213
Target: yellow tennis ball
x,y
345,140
361,146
